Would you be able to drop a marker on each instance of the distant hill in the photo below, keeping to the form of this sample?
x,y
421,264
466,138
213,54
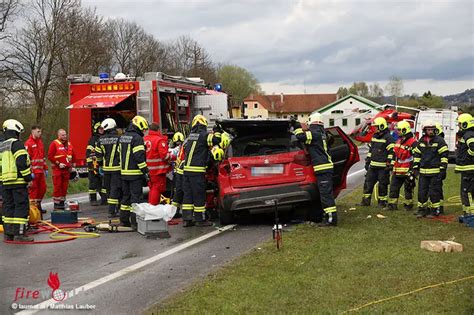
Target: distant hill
x,y
464,98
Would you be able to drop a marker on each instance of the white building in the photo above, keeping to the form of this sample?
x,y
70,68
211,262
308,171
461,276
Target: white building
x,y
348,112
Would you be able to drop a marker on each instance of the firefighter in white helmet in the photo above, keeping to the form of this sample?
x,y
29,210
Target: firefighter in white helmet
x,y
16,174
107,152
316,141
430,162
378,163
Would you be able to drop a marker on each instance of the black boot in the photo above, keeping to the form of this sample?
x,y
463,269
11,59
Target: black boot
x,y
188,223
391,207
8,237
93,199
422,212
408,207
433,213
382,203
365,202
330,219
103,199
441,210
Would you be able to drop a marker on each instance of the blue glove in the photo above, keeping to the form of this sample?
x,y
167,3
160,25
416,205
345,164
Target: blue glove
x,y
46,173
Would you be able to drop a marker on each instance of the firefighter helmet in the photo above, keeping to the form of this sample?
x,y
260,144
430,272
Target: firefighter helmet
x,y
217,153
316,118
225,140
199,119
428,125
108,124
380,123
178,137
465,121
439,129
120,77
140,123
96,126
13,124
403,127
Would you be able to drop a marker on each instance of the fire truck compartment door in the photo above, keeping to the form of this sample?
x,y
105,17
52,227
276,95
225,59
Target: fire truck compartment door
x,y
101,100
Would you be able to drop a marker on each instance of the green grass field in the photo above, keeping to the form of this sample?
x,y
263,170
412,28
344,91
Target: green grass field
x,y
333,270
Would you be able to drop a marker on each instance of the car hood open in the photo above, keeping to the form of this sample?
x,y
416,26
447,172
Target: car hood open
x,y
247,127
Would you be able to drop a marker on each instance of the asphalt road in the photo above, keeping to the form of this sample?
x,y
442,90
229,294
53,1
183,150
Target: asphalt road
x,y
125,273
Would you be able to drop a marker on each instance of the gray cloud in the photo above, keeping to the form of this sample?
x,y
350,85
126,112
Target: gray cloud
x,y
319,41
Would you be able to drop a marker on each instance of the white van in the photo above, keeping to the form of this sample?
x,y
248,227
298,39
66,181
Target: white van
x,y
447,118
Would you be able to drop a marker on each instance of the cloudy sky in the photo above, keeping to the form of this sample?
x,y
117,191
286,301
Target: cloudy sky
x,y
316,46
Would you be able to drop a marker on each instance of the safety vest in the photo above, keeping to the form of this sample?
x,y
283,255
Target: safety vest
x,y
403,155
156,152
9,168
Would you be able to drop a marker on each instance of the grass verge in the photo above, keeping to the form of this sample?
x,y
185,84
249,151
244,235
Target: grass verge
x,y
82,185
332,270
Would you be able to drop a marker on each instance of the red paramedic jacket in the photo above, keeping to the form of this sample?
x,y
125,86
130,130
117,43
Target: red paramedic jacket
x,y
35,150
60,153
157,156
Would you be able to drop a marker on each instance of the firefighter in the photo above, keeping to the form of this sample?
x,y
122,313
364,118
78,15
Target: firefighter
x,y
377,163
177,156
107,152
16,174
401,167
316,142
133,168
61,155
93,174
196,152
157,158
35,148
430,162
439,131
465,161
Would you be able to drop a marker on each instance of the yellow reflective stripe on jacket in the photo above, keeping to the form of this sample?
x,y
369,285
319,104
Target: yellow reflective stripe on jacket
x,y
140,147
142,165
401,169
298,131
378,164
196,169
309,137
209,139
442,149
429,170
470,152
90,147
379,140
111,168
390,146
464,168
191,152
444,160
417,160
322,167
25,172
20,152
416,150
112,156
127,158
131,172
18,181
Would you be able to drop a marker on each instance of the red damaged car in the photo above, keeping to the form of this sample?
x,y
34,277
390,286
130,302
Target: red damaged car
x,y
265,162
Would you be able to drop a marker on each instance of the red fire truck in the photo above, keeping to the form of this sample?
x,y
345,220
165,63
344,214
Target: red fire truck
x,y
168,100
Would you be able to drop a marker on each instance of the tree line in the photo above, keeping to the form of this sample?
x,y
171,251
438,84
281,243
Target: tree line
x,y
60,37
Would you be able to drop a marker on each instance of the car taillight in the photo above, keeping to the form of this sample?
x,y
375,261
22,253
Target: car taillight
x,y
301,159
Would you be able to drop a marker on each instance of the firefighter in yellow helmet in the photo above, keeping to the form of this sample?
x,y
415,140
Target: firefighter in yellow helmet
x,y
196,152
401,165
94,176
316,142
16,174
176,154
133,168
465,161
430,163
378,163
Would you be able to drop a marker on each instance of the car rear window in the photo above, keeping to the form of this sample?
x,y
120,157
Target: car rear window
x,y
263,144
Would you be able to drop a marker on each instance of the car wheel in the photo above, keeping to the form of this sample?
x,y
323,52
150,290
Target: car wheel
x,y
225,216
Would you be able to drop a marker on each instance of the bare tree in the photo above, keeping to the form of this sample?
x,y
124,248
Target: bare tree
x,y
190,59
7,10
395,87
33,56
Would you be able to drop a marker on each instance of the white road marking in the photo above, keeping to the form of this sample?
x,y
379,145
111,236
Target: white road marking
x,y
48,303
